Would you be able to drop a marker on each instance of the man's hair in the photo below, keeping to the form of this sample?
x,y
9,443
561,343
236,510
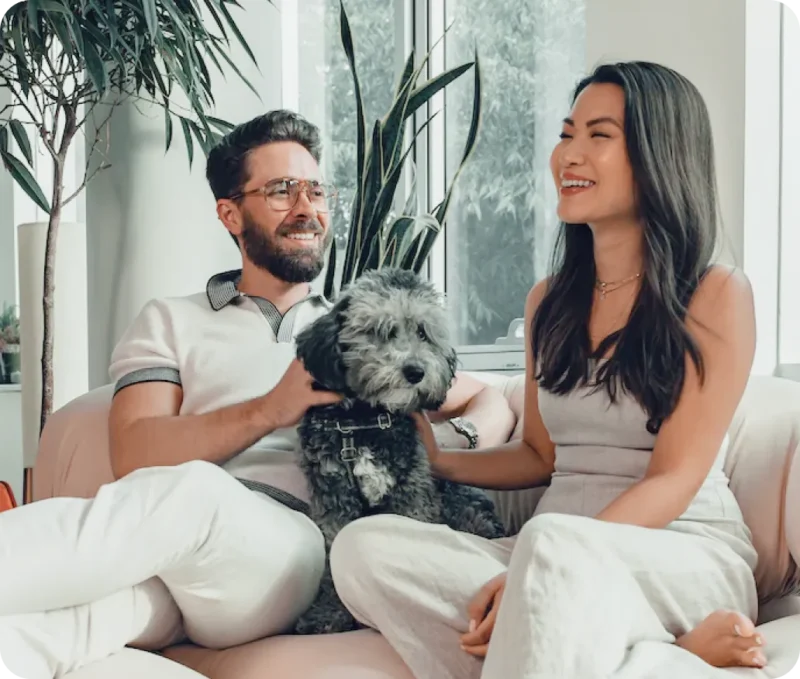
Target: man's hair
x,y
227,169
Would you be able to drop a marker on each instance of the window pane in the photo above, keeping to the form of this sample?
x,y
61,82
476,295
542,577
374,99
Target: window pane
x,y
500,226
326,91
790,201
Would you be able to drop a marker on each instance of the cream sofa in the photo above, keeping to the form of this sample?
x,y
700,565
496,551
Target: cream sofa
x,y
764,468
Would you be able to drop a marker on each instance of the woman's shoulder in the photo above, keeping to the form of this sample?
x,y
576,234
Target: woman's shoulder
x,y
721,284
723,301
535,296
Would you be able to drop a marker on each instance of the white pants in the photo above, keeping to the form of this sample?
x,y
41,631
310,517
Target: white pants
x,y
583,598
163,554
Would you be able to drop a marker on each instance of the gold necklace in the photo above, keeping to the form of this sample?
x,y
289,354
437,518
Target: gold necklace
x,y
606,287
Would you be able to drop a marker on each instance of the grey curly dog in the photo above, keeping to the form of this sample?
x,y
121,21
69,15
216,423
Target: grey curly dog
x,y
385,347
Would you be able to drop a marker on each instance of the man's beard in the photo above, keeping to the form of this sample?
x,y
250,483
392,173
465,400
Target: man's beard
x,y
292,266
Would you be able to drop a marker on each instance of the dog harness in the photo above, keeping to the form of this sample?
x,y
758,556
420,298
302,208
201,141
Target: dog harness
x,y
348,454
348,451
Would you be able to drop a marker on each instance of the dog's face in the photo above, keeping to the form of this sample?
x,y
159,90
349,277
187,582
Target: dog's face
x,y
385,342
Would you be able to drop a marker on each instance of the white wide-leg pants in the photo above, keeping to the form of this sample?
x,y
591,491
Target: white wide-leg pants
x,y
161,555
583,598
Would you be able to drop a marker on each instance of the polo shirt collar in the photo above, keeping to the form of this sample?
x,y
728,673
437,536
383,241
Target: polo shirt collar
x,y
222,289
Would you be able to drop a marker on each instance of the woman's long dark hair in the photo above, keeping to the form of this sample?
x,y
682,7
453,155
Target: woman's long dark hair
x,y
670,147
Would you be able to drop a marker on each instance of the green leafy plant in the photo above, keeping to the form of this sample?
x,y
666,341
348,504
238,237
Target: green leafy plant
x,y
9,327
64,61
376,237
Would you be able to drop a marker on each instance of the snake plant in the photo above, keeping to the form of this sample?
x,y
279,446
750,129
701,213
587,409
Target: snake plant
x,y
376,238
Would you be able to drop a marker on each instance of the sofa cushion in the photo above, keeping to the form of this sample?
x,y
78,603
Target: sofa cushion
x,y
134,664
762,466
364,654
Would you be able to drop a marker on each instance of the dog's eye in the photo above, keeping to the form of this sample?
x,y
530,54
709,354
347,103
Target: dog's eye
x,y
392,334
422,334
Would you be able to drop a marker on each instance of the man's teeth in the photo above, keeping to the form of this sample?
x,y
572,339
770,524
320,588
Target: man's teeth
x,y
568,183
302,236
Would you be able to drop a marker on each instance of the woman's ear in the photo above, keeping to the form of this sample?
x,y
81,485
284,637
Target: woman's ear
x,y
320,352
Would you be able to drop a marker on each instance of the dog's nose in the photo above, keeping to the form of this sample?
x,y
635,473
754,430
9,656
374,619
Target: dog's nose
x,y
413,373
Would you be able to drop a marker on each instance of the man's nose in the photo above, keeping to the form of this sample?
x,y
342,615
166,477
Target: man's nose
x,y
304,206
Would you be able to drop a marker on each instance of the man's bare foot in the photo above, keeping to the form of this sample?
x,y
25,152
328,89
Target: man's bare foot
x,y
725,639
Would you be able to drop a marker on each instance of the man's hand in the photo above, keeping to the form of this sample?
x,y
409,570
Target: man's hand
x,y
482,614
295,394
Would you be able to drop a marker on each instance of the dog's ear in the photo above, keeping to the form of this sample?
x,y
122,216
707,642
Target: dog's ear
x,y
320,352
452,362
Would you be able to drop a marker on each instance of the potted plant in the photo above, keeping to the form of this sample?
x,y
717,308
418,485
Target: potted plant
x,y
68,64
377,236
9,344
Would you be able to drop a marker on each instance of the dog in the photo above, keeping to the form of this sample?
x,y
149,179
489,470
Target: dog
x,y
385,348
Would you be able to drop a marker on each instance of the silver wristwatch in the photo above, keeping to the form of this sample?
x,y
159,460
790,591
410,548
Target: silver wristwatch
x,y
466,429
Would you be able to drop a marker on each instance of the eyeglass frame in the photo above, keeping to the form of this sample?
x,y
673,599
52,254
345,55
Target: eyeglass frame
x,y
304,184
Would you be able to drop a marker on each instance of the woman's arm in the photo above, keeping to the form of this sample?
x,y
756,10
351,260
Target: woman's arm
x,y
523,463
722,320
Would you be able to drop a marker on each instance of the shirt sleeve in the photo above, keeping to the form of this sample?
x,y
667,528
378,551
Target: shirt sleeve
x,y
146,352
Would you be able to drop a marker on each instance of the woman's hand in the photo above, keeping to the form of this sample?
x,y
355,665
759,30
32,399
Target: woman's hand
x,y
482,614
427,436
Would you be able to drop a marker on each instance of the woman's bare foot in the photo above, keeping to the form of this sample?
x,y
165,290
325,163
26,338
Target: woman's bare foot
x,y
725,639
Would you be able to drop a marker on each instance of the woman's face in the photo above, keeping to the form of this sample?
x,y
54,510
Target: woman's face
x,y
590,165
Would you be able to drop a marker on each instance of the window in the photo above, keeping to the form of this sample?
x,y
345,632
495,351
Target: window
x,y
789,282
498,236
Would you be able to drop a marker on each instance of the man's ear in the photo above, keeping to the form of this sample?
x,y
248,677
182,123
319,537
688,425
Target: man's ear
x,y
320,352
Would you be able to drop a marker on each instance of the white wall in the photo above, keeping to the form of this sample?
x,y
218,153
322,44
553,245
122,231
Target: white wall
x,y
703,40
152,228
8,279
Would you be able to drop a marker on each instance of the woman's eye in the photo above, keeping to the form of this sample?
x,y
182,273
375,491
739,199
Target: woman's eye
x,y
564,135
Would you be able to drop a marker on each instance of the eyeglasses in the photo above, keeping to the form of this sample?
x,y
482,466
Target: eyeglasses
x,y
282,194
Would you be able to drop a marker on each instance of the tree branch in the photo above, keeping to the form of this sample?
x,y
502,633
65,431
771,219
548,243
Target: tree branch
x,y
87,177
86,180
40,123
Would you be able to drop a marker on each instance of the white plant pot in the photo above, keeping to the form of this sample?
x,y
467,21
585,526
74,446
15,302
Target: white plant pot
x,y
70,323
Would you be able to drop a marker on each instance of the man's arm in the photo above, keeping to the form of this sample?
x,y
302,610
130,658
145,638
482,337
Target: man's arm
x,y
483,405
146,430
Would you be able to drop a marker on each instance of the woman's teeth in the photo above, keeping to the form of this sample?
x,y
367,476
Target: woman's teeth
x,y
570,183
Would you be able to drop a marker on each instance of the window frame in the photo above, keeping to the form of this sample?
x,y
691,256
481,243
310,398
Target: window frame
x,y
789,238
767,210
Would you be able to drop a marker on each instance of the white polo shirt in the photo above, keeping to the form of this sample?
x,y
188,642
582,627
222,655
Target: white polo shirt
x,y
222,347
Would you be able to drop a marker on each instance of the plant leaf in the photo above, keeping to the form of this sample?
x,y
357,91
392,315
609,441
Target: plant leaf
x,y
25,179
168,130
361,133
4,138
425,92
472,136
151,18
330,274
21,137
95,67
187,133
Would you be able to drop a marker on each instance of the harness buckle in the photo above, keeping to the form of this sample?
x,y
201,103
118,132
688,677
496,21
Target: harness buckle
x,y
348,453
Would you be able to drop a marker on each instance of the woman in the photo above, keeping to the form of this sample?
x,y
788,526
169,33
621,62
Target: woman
x,y
641,349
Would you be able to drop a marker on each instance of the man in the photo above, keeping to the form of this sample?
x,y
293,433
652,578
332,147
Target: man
x,y
201,535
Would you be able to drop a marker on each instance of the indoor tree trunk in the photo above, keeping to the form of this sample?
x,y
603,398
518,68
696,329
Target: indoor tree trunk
x,y
49,293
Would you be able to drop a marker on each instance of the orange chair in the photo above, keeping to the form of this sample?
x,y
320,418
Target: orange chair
x,y
7,499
